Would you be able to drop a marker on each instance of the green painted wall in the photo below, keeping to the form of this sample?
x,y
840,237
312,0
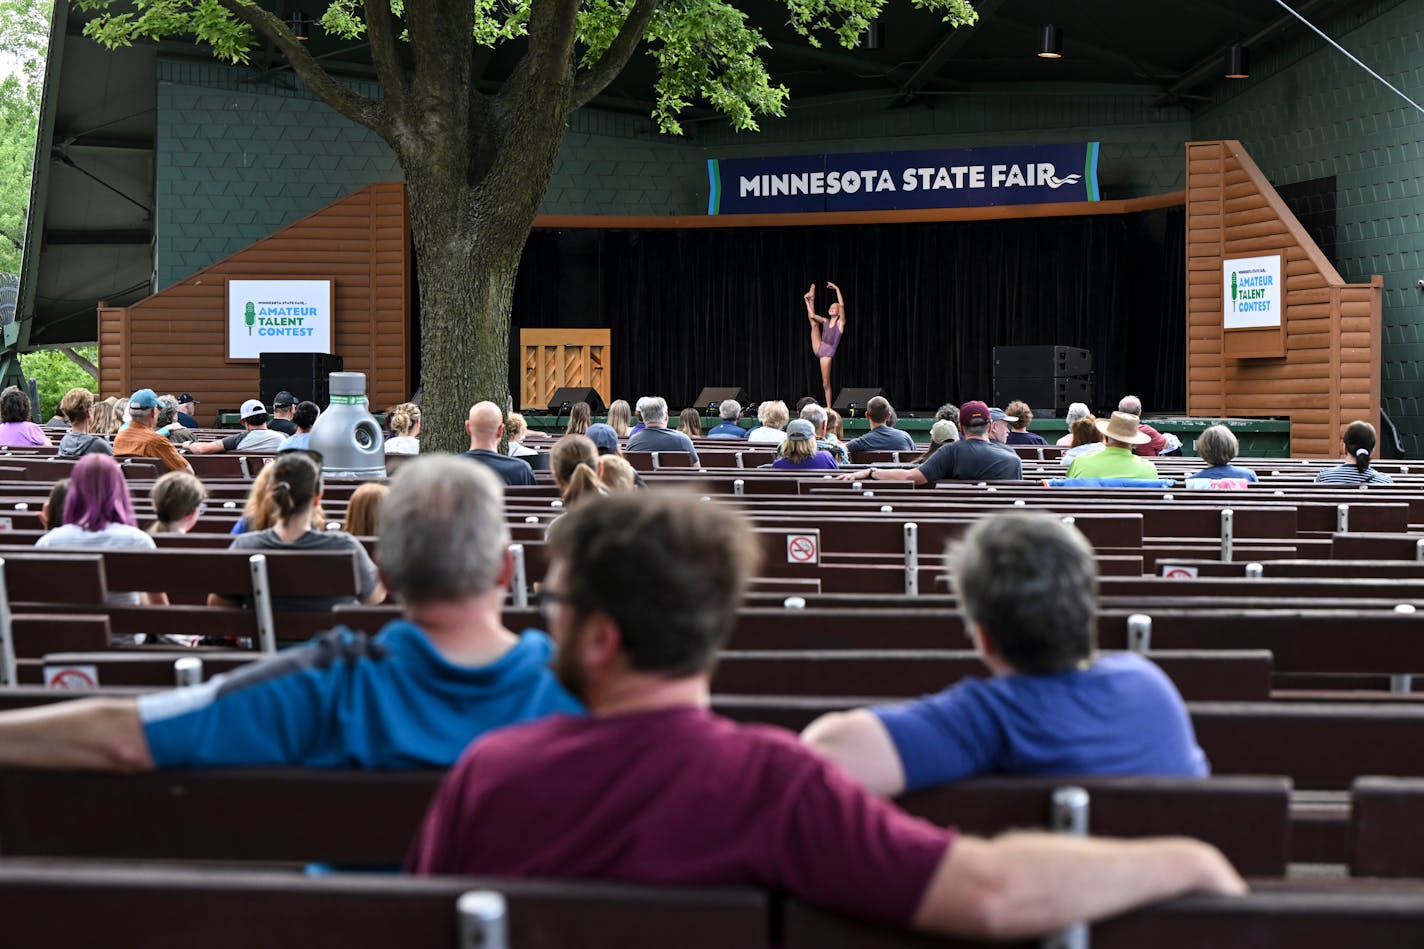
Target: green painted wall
x,y
1309,112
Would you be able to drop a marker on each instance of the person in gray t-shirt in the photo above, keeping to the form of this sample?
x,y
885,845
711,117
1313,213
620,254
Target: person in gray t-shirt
x,y
656,436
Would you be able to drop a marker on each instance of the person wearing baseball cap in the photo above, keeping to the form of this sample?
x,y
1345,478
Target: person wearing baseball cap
x,y
999,425
975,457
800,452
1116,460
140,438
186,409
255,435
284,404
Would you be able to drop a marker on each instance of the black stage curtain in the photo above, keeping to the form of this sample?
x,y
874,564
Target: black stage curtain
x,y
926,304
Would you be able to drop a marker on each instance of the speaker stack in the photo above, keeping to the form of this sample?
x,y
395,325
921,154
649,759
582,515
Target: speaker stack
x,y
1048,378
306,375
709,400
564,398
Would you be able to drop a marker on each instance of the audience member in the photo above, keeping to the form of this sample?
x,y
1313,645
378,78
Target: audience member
x,y
881,436
820,420
295,490
800,452
656,436
1116,460
412,697
1086,440
642,419
485,426
999,421
259,511
517,429
16,429
653,788
98,513
772,431
943,432
574,464
1018,431
580,417
1027,586
52,510
1076,411
141,439
304,416
255,434
363,510
1218,448
689,422
283,405
802,402
405,423
179,499
1359,442
1156,443
77,407
617,474
948,412
835,430
121,416
730,412
972,458
167,422
620,416
187,406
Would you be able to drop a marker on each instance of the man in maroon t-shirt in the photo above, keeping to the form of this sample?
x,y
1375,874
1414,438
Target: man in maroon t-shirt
x,y
654,788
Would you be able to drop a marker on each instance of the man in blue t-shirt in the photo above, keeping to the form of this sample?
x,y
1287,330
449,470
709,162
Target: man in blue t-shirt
x,y
883,436
730,411
411,697
1026,584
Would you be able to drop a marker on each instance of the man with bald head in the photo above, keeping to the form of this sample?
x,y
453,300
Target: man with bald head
x,y
485,426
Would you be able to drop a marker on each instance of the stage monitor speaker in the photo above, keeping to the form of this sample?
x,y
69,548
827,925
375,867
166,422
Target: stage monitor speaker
x,y
564,398
1047,396
711,397
852,401
305,375
1030,362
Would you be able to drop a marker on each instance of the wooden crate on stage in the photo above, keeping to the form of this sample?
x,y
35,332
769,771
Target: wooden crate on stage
x,y
552,358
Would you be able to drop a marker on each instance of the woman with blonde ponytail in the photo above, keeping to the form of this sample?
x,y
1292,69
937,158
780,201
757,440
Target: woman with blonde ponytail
x,y
574,464
294,491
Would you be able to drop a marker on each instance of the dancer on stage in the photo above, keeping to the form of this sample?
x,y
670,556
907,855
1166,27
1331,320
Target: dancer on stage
x,y
824,342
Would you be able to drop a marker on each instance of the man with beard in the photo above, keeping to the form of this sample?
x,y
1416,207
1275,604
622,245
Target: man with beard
x,y
653,788
411,697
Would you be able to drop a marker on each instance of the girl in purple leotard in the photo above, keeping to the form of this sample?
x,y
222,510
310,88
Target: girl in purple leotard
x,y
825,341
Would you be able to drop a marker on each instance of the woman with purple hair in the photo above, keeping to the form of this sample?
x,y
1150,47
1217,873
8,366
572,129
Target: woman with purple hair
x,y
98,513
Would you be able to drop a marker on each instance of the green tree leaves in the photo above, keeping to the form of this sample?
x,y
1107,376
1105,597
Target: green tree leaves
x,y
24,29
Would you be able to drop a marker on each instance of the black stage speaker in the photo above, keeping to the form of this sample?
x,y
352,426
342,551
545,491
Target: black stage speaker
x,y
851,402
305,375
564,398
1047,396
1031,362
711,397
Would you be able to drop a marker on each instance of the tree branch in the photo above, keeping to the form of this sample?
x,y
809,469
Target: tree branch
x,y
354,106
381,31
551,43
12,239
589,84
80,361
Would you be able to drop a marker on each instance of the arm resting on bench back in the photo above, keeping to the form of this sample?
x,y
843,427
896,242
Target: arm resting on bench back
x,y
94,734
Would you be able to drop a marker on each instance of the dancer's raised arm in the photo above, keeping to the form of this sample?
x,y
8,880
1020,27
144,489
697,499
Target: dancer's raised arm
x,y
840,301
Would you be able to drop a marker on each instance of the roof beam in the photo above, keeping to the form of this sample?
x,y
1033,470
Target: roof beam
x,y
1094,51
97,237
1209,66
949,44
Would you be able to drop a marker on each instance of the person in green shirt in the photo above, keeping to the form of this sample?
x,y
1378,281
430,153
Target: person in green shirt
x,y
1117,459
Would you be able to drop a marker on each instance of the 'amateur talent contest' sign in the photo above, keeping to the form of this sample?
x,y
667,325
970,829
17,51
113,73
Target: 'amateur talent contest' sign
x,y
278,316
887,181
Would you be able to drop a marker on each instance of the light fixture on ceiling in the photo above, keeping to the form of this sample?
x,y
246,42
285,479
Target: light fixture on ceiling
x,y
1238,62
874,35
298,23
1051,45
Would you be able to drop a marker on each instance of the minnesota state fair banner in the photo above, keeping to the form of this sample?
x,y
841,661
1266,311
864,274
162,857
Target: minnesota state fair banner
x,y
889,181
278,316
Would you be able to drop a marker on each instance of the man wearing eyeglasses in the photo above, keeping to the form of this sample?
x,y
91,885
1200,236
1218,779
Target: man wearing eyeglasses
x,y
654,788
411,697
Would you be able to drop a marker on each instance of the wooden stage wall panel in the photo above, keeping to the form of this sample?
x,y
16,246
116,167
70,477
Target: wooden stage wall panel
x,y
1330,373
175,341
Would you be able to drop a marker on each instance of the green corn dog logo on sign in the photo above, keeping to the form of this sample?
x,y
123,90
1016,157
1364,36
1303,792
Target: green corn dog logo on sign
x,y
250,316
1233,291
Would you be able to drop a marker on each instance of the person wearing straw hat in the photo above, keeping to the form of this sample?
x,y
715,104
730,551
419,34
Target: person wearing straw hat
x,y
1116,460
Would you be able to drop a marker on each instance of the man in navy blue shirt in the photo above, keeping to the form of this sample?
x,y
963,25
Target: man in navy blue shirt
x,y
881,437
411,697
485,426
1027,586
730,410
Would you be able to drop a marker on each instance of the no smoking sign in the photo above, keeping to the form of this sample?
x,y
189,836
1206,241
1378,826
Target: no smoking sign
x,y
803,548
